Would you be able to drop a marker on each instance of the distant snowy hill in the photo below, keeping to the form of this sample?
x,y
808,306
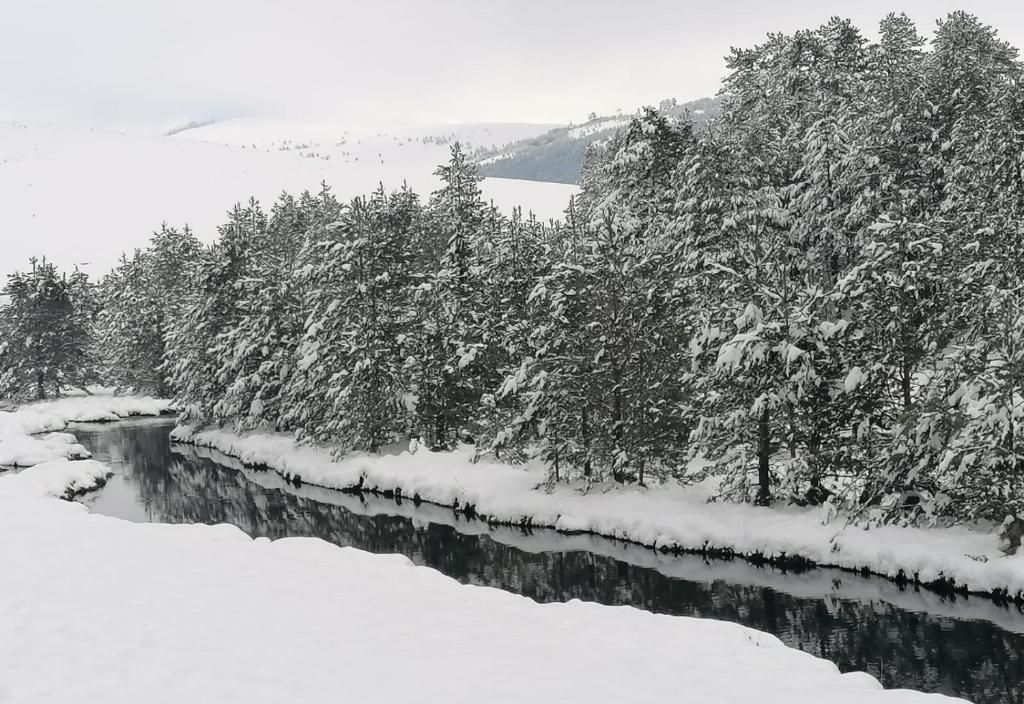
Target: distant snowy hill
x,y
557,155
281,135
80,196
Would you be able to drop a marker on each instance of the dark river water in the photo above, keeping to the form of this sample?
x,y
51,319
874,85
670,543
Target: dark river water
x,y
970,647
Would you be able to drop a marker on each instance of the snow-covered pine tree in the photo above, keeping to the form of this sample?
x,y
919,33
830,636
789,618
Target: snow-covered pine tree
x,y
602,383
45,332
516,253
936,263
526,405
745,352
198,341
448,378
350,372
767,363
137,300
633,175
261,347
962,443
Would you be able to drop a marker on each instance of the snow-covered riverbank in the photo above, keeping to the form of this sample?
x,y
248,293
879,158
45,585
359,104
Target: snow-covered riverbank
x,y
30,435
98,609
669,517
822,584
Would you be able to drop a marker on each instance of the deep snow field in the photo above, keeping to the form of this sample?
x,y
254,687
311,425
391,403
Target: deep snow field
x,y
96,609
82,196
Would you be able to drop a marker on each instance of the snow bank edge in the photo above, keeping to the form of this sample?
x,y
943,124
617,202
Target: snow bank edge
x,y
299,464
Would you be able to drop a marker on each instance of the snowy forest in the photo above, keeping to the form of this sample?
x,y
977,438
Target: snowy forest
x,y
816,297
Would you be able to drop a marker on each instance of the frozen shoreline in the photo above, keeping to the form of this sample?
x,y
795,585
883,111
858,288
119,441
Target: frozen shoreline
x,y
170,613
813,583
31,434
669,518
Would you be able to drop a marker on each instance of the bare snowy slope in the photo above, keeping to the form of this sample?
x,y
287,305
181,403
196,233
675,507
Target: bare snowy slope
x,y
80,196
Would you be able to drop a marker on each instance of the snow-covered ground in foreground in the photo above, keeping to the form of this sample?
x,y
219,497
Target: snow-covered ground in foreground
x,y
98,609
28,437
80,196
660,517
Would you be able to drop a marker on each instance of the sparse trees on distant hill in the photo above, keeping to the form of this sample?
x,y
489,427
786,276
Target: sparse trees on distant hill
x,y
560,155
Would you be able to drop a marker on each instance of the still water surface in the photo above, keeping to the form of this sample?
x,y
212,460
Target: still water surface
x,y
907,638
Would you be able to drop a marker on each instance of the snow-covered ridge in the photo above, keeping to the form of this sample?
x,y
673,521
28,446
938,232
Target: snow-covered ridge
x,y
197,175
600,125
30,435
170,613
274,134
668,517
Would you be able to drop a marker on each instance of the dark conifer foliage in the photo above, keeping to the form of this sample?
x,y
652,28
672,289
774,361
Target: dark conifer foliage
x,y
45,333
141,297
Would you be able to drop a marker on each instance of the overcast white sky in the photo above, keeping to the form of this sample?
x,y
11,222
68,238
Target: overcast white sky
x,y
137,63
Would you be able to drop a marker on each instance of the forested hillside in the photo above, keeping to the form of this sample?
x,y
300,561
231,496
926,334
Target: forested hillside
x,y
820,298
559,155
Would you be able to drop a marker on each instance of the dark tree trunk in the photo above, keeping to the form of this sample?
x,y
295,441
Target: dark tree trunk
x,y
585,432
618,475
440,432
764,492
905,386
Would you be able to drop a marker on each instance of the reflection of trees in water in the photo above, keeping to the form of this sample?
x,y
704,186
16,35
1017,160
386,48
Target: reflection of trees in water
x,y
976,660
